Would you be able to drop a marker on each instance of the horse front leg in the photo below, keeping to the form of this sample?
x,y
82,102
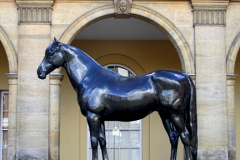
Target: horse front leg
x,y
94,127
102,140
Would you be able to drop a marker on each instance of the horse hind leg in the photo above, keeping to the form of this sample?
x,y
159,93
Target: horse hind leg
x,y
102,140
180,125
171,131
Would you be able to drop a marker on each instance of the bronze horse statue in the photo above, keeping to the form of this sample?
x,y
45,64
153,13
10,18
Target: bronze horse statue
x,y
104,95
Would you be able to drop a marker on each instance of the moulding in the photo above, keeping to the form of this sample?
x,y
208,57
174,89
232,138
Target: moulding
x,y
192,76
232,76
12,78
10,50
11,75
232,54
231,79
56,78
210,4
35,3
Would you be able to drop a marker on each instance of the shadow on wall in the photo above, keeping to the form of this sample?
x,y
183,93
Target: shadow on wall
x,y
3,68
237,105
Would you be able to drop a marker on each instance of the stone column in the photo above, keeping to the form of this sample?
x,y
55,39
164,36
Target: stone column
x,y
12,114
33,93
54,116
210,53
231,116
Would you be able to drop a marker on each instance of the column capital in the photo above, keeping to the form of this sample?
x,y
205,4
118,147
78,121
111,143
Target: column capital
x,y
55,78
34,11
209,12
12,78
231,78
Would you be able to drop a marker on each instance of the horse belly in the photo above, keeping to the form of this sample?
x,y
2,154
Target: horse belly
x,y
131,108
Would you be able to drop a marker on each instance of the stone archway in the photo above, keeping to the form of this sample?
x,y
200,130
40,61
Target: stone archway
x,y
232,81
232,54
12,88
142,13
10,51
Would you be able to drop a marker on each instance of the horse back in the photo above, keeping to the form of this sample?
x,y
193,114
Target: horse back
x,y
118,97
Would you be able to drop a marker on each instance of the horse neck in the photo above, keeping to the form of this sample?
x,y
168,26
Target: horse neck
x,y
79,65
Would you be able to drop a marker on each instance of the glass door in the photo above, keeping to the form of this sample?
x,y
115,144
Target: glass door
x,y
4,124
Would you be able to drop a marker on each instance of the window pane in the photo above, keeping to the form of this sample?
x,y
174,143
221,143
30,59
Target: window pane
x,y
5,120
111,67
124,139
4,145
112,124
124,154
5,101
4,154
5,111
122,71
124,125
5,140
113,154
99,154
135,138
113,138
90,154
135,154
135,124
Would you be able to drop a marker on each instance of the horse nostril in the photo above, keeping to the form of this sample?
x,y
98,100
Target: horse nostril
x,y
39,71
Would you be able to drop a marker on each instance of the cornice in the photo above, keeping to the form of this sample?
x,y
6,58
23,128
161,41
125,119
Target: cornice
x,y
209,4
35,3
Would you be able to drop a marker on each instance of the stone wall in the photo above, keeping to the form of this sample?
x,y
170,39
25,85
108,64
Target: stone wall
x,y
204,33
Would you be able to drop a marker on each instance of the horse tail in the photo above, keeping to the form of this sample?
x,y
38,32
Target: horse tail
x,y
191,117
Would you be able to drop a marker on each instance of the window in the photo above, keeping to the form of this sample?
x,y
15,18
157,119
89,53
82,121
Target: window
x,y
4,125
124,139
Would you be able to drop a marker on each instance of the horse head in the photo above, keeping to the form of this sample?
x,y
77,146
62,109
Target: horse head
x,y
53,59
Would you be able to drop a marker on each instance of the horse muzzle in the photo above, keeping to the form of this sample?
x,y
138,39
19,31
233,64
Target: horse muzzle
x,y
41,73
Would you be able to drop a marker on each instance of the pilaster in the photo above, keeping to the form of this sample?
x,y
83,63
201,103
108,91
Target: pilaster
x,y
209,26
33,93
231,116
54,116
12,114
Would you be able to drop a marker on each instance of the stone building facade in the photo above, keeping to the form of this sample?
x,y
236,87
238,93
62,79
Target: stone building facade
x,y
205,35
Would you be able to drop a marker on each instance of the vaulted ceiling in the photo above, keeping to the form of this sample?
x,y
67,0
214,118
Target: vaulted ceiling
x,y
121,29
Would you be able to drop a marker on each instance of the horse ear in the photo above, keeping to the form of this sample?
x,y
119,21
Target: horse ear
x,y
55,39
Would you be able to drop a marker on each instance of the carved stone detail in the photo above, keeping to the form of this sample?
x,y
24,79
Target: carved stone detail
x,y
35,14
209,17
123,7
